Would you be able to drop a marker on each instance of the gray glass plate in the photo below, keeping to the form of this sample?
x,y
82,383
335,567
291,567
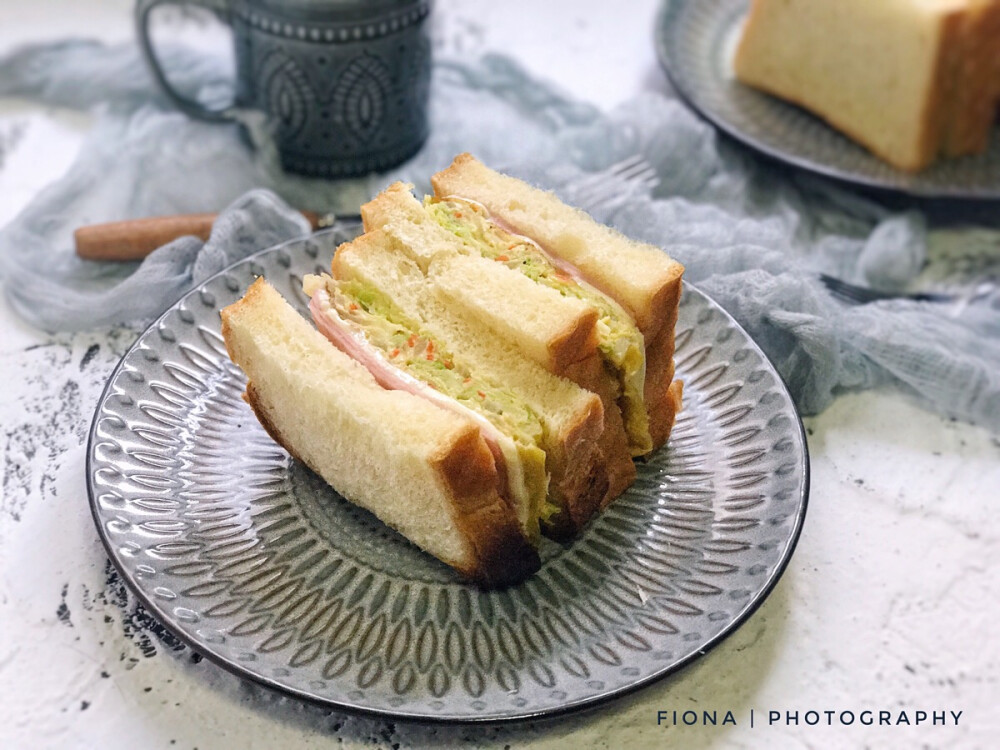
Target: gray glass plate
x,y
696,40
255,562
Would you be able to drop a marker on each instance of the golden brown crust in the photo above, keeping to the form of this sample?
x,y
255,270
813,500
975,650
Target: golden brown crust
x,y
502,554
947,61
976,89
612,443
575,342
568,524
579,473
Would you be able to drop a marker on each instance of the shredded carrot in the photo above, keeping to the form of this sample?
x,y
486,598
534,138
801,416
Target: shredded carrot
x,y
353,307
481,394
449,365
430,356
511,247
502,258
430,347
467,380
412,341
394,353
458,214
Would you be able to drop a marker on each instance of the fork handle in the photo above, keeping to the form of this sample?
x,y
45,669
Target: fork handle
x,y
137,238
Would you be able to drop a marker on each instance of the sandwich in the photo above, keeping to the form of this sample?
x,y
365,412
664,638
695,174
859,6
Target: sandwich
x,y
559,286
911,80
515,386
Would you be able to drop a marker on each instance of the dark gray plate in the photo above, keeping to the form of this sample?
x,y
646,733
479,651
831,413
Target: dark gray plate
x,y
256,563
696,39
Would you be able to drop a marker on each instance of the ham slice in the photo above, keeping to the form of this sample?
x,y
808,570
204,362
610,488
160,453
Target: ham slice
x,y
350,339
562,266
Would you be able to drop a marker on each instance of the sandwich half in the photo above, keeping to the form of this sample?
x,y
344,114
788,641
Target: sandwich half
x,y
640,283
552,424
425,470
547,306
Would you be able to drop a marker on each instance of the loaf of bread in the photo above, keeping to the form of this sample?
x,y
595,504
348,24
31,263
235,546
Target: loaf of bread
x,y
911,80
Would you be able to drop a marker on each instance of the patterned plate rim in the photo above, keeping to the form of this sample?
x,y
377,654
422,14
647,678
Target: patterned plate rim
x,y
913,186
164,617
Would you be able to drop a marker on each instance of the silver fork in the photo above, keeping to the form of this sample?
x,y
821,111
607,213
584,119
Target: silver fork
x,y
860,295
604,189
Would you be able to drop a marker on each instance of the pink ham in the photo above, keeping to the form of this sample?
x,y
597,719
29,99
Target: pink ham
x,y
351,340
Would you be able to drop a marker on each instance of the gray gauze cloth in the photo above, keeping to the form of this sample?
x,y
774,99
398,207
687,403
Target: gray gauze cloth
x,y
752,235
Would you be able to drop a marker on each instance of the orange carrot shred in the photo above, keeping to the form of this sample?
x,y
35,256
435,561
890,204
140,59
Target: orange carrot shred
x,y
503,258
481,394
353,306
394,353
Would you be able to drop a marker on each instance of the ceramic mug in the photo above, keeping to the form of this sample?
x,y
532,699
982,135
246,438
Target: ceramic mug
x,y
344,82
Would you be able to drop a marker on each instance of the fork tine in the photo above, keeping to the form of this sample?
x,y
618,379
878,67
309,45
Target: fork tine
x,y
596,189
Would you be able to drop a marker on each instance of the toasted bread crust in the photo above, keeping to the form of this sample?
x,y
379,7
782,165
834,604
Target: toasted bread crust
x,y
579,478
977,93
576,340
613,440
936,113
663,413
503,555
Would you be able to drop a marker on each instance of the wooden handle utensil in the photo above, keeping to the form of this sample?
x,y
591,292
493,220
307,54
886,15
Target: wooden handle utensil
x,y
137,238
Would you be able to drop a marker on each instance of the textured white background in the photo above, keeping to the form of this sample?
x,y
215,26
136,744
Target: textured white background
x,y
891,601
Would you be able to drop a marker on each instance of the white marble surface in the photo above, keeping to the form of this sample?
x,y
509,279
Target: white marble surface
x,y
890,603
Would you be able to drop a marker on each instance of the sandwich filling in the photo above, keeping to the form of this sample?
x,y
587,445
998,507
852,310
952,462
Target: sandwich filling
x,y
365,324
620,342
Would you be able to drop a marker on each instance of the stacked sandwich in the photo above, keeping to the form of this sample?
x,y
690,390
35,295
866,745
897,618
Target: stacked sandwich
x,y
498,361
910,79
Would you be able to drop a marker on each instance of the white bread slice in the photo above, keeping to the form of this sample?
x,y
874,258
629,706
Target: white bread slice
x,y
641,278
553,330
550,329
878,71
422,470
572,417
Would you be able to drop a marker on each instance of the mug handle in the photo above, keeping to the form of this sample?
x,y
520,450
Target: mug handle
x,y
190,107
